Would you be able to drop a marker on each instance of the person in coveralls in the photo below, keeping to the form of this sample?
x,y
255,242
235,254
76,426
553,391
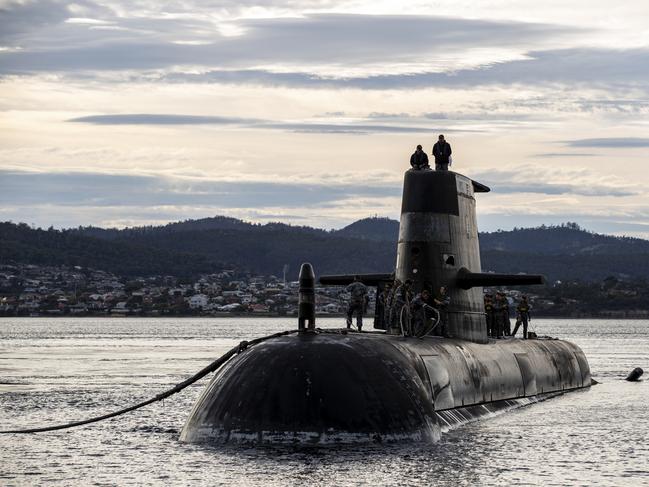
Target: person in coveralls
x,y
522,316
489,312
441,302
421,310
401,304
501,315
358,293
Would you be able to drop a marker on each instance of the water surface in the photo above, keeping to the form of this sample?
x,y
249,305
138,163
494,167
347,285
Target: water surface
x,y
58,370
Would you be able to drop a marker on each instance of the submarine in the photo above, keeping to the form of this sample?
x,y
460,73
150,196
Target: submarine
x,y
327,386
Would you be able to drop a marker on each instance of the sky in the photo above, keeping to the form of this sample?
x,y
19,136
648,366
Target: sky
x,y
120,113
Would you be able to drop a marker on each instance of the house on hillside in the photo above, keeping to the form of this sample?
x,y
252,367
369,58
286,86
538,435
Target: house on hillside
x,y
198,301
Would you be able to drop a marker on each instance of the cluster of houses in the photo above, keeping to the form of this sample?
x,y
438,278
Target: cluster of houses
x,y
31,290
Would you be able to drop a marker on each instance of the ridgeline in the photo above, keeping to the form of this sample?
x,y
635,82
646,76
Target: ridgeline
x,y
191,247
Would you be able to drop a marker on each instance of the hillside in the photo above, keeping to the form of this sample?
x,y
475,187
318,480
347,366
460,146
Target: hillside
x,y
369,245
377,229
20,243
566,239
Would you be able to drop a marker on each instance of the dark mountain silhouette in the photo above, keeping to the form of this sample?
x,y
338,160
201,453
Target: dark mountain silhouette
x,y
567,239
127,257
196,246
375,228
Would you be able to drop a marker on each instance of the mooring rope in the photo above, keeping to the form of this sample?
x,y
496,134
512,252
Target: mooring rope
x,y
177,388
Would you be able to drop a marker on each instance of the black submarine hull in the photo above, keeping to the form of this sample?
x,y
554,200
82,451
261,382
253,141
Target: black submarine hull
x,y
335,387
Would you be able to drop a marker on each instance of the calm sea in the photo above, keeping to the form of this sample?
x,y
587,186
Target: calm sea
x,y
57,370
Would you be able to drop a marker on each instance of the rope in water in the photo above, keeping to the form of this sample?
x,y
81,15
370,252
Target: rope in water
x,y
177,388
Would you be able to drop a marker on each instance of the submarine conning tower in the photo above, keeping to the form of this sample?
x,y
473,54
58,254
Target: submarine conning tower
x,y
438,246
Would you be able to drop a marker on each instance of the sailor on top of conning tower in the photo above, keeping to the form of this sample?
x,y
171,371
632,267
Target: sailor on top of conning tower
x,y
442,152
419,159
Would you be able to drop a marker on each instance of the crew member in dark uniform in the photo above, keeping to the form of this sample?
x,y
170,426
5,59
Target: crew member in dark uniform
x,y
501,311
358,293
402,298
441,302
419,159
382,305
507,328
489,312
421,311
442,152
390,304
522,316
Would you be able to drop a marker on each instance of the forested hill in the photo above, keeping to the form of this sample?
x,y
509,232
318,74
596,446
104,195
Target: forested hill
x,y
566,239
369,245
378,229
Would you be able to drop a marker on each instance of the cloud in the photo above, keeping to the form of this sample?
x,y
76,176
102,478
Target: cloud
x,y
330,44
322,199
326,51
350,127
597,68
68,199
538,179
611,142
22,188
565,154
560,189
21,17
162,119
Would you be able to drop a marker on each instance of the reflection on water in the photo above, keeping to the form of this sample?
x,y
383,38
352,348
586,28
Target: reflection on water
x,y
59,370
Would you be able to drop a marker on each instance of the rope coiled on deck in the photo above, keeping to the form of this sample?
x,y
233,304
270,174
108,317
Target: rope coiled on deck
x,y
177,388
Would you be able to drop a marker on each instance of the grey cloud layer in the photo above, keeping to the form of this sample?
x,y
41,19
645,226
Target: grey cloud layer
x,y
611,142
20,188
172,119
46,198
299,47
21,18
162,119
595,67
93,189
536,179
342,39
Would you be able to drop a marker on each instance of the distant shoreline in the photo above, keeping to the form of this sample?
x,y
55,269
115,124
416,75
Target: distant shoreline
x,y
294,317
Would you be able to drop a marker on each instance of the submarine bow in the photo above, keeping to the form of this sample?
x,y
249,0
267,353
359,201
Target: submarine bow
x,y
315,388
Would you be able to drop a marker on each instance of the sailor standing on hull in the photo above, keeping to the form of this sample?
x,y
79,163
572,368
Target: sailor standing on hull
x,y
358,293
401,304
381,316
501,310
489,313
522,316
391,305
422,311
441,302
507,323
